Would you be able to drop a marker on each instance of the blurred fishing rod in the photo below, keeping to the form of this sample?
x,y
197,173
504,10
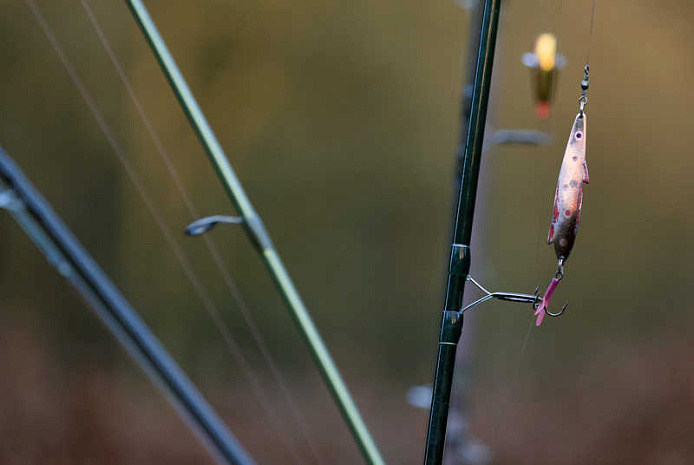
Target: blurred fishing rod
x,y
64,252
257,233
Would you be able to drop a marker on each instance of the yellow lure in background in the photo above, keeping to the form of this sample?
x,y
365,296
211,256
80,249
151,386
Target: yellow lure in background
x,y
544,62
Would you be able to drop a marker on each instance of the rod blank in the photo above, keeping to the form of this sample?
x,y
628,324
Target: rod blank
x,y
459,259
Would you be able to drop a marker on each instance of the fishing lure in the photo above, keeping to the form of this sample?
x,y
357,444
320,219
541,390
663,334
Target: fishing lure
x,y
545,63
568,198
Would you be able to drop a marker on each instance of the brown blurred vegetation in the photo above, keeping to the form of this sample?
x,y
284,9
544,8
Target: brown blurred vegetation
x,y
635,407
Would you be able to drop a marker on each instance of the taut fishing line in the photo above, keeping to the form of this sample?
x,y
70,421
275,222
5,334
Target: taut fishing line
x,y
539,12
567,205
590,34
568,197
539,246
558,57
210,244
201,291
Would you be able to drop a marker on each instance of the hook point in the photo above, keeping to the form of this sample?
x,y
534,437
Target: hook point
x,y
560,312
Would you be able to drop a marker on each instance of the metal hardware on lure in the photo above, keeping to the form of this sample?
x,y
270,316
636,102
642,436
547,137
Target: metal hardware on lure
x,y
544,61
583,100
568,198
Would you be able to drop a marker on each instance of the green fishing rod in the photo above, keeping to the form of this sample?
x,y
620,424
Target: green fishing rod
x,y
43,226
459,259
257,233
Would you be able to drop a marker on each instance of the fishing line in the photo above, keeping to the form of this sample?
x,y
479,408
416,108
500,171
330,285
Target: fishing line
x,y
557,12
210,244
559,274
576,134
506,400
539,246
590,34
201,291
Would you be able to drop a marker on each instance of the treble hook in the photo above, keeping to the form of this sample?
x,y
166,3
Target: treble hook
x,y
542,308
559,313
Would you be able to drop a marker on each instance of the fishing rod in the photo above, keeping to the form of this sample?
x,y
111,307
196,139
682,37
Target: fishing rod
x,y
562,233
460,442
255,229
459,259
64,252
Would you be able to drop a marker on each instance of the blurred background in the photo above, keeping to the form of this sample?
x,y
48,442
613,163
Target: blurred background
x,y
342,121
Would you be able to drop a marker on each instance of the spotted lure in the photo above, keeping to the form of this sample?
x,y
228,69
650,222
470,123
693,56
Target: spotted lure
x,y
568,198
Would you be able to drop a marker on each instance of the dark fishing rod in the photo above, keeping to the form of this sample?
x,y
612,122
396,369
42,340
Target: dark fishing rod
x,y
71,260
459,259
